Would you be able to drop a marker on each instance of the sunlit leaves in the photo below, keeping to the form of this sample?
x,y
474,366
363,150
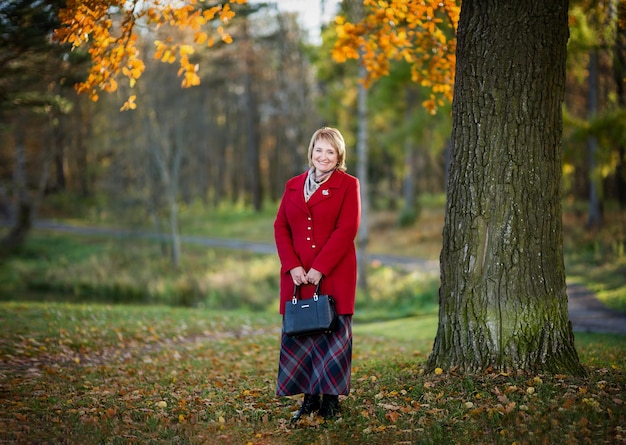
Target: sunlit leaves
x,y
420,33
108,30
129,104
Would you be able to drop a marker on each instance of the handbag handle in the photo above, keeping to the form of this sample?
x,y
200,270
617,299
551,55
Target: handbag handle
x,y
294,299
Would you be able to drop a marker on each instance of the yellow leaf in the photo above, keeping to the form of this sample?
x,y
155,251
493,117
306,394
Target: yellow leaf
x,y
185,50
438,371
111,86
200,37
191,79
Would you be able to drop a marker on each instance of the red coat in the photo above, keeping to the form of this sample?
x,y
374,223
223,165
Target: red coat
x,y
320,234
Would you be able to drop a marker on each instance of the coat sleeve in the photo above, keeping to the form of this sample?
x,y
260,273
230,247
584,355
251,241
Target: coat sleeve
x,y
341,239
284,238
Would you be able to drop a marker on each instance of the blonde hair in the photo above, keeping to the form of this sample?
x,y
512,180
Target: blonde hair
x,y
335,139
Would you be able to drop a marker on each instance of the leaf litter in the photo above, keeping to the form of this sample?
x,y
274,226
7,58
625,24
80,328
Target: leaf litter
x,y
77,374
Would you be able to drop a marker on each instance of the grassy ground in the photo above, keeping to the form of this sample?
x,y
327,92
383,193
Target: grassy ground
x,y
78,373
84,372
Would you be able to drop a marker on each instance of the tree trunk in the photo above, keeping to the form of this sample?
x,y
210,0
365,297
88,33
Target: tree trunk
x,y
23,205
167,156
503,301
362,165
619,72
410,210
252,123
594,218
363,235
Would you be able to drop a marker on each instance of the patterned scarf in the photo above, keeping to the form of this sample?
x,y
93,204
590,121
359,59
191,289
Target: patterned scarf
x,y
311,184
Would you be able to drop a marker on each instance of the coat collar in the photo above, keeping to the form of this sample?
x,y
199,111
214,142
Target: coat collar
x,y
325,191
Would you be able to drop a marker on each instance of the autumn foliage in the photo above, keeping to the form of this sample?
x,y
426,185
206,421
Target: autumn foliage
x,y
108,29
420,33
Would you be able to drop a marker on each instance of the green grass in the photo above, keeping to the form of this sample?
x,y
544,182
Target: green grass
x,y
92,269
595,258
78,373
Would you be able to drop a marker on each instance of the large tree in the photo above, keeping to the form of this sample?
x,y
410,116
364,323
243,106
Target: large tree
x,y
503,301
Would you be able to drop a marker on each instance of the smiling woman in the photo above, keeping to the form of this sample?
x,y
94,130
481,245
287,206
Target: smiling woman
x,y
315,227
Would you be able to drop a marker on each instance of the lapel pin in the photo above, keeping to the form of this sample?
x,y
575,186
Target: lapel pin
x,y
325,192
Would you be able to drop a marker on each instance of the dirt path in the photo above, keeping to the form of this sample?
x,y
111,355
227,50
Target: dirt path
x,y
587,313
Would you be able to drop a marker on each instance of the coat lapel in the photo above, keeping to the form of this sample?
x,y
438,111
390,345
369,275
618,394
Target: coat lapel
x,y
297,197
326,190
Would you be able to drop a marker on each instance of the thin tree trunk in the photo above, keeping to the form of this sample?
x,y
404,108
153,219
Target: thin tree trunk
x,y
23,206
168,157
363,235
619,72
179,145
503,301
82,135
252,124
594,218
410,210
362,167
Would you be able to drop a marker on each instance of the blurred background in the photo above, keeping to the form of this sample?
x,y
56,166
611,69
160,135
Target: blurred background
x,y
211,161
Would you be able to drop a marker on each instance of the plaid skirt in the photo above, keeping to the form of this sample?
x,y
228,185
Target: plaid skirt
x,y
316,364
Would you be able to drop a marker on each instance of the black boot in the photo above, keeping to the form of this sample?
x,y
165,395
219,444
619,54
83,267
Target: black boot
x,y
310,404
330,406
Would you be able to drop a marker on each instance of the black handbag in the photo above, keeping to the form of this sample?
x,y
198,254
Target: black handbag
x,y
312,316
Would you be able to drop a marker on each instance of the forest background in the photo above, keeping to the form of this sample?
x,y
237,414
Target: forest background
x,y
107,206
185,157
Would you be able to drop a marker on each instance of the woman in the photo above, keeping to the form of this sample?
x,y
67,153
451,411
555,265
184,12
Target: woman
x,y
315,228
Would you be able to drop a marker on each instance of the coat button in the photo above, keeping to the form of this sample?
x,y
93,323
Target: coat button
x,y
308,239
313,246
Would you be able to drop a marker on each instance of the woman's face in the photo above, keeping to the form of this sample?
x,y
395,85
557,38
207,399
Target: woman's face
x,y
324,156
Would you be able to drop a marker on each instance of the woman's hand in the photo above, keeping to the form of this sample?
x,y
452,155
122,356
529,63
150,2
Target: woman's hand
x,y
298,275
314,276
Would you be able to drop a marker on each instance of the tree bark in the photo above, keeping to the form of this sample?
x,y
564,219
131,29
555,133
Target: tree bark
x,y
503,301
